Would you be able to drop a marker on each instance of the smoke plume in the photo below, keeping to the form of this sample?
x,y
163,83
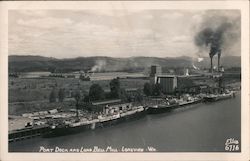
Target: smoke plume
x,y
200,60
99,66
219,32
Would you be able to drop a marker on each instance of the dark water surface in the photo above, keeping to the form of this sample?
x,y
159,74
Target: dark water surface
x,y
196,128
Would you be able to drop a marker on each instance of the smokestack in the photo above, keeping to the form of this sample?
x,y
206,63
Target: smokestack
x,y
211,60
219,54
211,55
218,31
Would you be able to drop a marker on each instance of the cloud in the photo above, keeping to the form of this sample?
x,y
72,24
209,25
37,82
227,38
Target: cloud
x,y
113,12
46,23
33,13
117,33
173,15
183,38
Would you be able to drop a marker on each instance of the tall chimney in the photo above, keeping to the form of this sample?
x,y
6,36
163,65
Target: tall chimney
x,y
211,61
219,54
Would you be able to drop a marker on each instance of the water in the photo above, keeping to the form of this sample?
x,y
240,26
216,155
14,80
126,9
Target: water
x,y
196,128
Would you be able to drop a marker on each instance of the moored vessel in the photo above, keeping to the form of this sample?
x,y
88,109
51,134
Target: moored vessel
x,y
173,104
82,124
190,102
218,97
161,108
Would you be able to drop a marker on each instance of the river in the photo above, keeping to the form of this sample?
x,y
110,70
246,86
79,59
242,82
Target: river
x,y
195,128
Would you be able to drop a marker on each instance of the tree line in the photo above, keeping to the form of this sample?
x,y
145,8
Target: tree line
x,y
96,93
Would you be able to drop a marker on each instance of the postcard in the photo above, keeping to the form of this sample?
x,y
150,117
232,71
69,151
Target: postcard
x,y
124,80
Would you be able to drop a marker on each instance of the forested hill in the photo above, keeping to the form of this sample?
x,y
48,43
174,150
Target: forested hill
x,y
131,64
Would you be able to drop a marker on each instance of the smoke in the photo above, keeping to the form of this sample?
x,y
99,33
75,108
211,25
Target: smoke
x,y
116,64
200,59
100,65
219,32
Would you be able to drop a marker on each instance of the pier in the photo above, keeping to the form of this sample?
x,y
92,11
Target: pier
x,y
27,133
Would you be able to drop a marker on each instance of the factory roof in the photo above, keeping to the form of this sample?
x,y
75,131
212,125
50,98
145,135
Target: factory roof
x,y
167,76
191,75
179,76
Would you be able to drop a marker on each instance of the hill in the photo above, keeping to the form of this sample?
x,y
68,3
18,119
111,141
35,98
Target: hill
x,y
99,64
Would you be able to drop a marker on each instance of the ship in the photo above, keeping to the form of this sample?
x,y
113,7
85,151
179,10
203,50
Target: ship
x,y
83,124
218,97
173,104
190,102
161,108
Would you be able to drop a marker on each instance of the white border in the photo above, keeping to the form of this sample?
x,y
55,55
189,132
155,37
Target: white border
x,y
241,5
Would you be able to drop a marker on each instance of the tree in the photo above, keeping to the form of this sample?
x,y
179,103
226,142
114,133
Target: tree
x,y
52,69
139,96
77,97
61,95
96,92
123,95
147,89
52,96
86,99
115,90
152,89
156,89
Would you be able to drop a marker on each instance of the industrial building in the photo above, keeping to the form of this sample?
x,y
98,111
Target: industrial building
x,y
168,83
155,70
185,83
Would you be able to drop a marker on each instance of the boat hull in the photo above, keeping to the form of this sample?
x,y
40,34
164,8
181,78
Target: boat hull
x,y
77,129
190,103
153,110
217,98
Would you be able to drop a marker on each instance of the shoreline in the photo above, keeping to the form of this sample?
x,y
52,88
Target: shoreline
x,y
145,110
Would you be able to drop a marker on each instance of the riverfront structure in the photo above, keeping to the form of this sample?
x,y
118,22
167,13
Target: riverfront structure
x,y
167,83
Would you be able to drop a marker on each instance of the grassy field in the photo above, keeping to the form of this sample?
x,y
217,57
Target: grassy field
x,y
27,95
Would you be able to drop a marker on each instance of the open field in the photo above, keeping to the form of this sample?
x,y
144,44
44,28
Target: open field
x,y
26,90
32,94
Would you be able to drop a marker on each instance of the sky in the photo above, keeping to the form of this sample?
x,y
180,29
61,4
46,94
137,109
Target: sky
x,y
113,33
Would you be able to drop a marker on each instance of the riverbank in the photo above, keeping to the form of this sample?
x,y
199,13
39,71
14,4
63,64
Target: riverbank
x,y
195,128
63,121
